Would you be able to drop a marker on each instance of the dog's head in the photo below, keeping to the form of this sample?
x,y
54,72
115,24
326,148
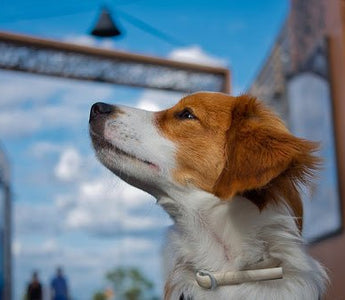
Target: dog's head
x,y
208,141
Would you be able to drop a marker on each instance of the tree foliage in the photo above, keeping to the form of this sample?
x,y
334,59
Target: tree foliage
x,y
99,296
129,284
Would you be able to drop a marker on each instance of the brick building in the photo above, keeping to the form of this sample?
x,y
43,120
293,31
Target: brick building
x,y
303,31
306,65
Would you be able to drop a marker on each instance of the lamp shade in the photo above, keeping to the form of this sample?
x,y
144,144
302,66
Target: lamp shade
x,y
105,26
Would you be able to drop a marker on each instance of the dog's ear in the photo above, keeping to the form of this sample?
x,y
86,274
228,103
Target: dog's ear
x,y
259,148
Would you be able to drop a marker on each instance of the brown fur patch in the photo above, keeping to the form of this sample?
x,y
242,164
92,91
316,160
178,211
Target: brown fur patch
x,y
200,142
265,163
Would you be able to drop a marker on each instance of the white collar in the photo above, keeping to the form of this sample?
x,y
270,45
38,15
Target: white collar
x,y
258,272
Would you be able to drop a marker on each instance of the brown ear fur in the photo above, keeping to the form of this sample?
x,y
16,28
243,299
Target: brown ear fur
x,y
263,160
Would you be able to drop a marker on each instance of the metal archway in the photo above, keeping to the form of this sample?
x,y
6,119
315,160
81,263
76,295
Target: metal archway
x,y
54,58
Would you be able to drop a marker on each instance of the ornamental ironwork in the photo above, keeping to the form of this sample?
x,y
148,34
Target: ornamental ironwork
x,y
46,57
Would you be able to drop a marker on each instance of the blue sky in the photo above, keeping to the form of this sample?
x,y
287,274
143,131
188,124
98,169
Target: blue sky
x,y
239,31
68,209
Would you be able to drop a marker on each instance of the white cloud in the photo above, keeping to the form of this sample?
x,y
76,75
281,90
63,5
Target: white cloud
x,y
43,148
195,54
17,123
94,201
147,105
87,40
49,247
69,165
17,247
63,202
32,218
154,100
139,244
104,208
43,103
18,89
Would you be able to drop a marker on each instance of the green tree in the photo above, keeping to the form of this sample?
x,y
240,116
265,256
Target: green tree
x,y
99,296
130,284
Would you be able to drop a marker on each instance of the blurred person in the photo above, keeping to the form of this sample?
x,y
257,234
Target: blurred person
x,y
59,287
34,291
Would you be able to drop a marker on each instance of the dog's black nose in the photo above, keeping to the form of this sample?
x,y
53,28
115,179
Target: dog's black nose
x,y
100,108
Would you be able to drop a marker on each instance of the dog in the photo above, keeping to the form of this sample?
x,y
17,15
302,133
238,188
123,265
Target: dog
x,y
228,172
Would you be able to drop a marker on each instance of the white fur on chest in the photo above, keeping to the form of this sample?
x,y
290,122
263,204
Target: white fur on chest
x,y
227,236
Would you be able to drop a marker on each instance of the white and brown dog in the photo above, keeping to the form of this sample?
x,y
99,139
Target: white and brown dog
x,y
228,172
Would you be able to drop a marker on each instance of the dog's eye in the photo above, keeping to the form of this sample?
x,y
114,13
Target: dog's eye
x,y
186,114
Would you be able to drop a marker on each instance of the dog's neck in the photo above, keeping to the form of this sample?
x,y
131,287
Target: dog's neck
x,y
217,233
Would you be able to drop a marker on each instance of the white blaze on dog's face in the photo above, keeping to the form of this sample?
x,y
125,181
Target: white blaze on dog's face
x,y
208,141
128,143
